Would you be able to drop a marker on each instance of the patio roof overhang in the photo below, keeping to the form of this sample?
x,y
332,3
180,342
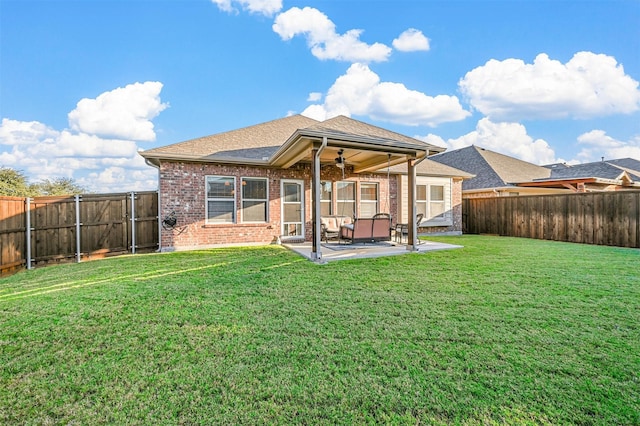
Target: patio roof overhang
x,y
364,153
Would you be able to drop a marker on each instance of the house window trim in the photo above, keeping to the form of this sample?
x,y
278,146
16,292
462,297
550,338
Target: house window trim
x,y
376,201
445,219
331,199
242,200
340,212
234,212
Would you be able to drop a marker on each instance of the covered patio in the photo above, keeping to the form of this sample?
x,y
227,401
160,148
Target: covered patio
x,y
344,145
333,251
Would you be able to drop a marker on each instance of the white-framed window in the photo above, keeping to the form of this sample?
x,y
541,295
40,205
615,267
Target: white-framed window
x,y
436,202
255,199
326,198
430,201
346,198
221,199
368,199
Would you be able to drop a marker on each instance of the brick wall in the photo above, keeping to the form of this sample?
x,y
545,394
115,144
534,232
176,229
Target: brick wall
x,y
182,190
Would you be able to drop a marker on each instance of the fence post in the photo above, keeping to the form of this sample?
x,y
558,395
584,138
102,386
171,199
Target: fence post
x,y
78,253
159,220
133,223
28,223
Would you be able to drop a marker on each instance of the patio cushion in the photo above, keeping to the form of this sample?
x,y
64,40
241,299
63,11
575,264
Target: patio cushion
x,y
333,223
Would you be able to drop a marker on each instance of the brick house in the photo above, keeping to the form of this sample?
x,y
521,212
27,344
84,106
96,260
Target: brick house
x,y
261,183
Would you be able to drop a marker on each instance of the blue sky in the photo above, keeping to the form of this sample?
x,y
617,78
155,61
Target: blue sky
x,y
85,85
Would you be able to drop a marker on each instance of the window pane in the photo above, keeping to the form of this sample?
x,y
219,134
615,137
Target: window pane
x,y
325,209
368,209
346,190
437,193
421,192
220,211
325,191
220,187
292,193
437,209
255,189
254,211
292,213
346,208
369,191
421,208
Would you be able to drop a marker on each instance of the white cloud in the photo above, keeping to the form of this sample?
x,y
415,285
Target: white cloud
x,y
314,96
411,40
124,113
264,7
13,132
506,138
597,144
361,92
589,85
324,41
45,153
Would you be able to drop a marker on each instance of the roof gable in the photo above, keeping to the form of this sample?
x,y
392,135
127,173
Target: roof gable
x,y
285,141
353,127
252,143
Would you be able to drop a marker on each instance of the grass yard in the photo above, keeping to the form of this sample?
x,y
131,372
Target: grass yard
x,y
504,331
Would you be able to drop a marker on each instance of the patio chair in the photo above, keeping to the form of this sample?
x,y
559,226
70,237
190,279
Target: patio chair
x,y
402,229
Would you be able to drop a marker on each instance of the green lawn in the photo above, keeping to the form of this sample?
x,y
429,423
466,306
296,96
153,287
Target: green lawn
x,y
504,331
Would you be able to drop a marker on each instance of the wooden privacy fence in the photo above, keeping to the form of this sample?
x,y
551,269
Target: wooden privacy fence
x,y
601,218
45,229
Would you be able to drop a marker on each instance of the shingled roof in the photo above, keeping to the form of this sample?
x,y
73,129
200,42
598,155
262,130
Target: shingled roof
x,y
260,143
250,144
598,169
491,169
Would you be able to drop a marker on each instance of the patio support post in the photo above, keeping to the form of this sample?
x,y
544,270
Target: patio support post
x,y
411,207
316,253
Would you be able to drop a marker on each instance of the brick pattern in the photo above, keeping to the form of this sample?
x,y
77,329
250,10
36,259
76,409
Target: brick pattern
x,y
182,190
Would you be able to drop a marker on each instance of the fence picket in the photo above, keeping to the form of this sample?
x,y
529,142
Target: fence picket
x,y
44,229
601,218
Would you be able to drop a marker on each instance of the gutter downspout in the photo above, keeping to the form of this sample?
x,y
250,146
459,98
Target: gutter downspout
x,y
316,254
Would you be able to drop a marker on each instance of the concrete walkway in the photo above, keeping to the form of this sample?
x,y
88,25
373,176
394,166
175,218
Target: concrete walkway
x,y
334,251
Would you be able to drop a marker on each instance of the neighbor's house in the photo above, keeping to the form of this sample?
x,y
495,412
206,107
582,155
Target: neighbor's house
x,y
498,175
256,184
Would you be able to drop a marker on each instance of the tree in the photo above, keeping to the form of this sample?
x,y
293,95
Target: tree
x,y
14,183
58,186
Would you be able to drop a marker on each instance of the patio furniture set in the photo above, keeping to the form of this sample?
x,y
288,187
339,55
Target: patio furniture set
x,y
363,230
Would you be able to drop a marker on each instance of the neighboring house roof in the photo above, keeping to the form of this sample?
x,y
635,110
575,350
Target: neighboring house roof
x,y
599,169
285,141
491,169
631,165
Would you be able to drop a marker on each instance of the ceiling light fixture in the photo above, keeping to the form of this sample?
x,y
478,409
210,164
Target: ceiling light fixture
x,y
340,160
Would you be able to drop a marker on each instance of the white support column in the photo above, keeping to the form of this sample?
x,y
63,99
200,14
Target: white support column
x,y
28,226
133,223
411,206
316,252
78,252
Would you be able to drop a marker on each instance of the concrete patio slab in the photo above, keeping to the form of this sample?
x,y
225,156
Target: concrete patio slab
x,y
334,251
